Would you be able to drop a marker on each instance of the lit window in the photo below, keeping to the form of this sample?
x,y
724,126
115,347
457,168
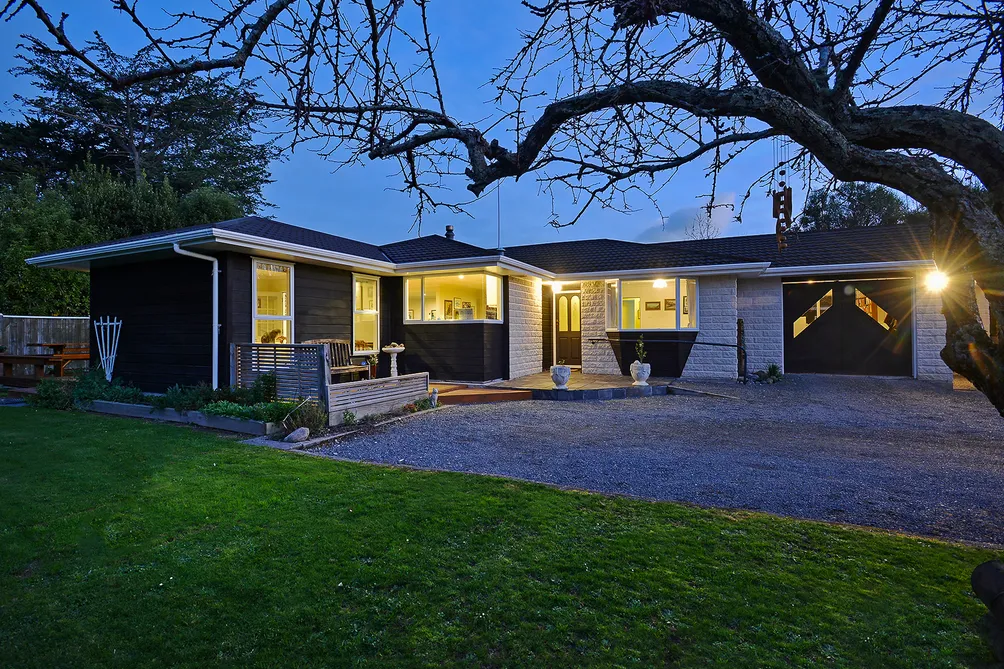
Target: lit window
x,y
870,307
611,300
454,297
365,315
813,313
273,302
649,304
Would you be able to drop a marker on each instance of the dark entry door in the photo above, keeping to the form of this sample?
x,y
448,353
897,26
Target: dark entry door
x,y
568,328
855,326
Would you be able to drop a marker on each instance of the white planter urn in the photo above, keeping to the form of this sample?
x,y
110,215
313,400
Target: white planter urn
x,y
640,371
393,351
560,374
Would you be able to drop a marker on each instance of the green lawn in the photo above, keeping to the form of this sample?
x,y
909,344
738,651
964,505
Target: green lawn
x,y
124,543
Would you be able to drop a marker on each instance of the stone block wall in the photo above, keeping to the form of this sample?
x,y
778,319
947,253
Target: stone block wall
x,y
760,303
525,327
716,298
929,324
597,355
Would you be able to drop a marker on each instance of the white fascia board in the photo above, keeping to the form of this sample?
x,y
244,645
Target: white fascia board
x,y
472,263
112,249
898,265
745,269
264,246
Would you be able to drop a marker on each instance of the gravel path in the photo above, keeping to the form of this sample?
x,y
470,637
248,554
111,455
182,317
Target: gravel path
x,y
896,454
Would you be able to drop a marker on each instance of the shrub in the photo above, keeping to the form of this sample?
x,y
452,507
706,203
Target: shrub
x,y
268,412
194,398
52,394
309,414
349,418
93,386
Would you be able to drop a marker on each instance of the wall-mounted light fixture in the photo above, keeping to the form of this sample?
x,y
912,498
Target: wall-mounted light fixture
x,y
936,281
659,283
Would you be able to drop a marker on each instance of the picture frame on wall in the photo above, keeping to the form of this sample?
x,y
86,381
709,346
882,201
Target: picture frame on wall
x,y
411,314
448,310
654,306
465,305
670,304
686,304
492,313
456,304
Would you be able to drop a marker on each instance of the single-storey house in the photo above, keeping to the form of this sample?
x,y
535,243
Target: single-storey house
x,y
839,302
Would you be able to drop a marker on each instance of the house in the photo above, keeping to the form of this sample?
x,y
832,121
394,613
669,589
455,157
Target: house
x,y
839,302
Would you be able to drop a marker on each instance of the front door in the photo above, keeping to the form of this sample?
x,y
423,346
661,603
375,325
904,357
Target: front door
x,y
568,328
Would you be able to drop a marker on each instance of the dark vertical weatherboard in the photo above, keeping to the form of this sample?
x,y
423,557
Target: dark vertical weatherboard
x,y
166,310
447,351
235,306
322,303
547,324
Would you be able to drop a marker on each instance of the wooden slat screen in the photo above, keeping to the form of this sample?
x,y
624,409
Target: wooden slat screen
x,y
300,369
374,396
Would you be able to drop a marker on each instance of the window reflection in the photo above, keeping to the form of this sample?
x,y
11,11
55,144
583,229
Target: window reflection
x,y
813,312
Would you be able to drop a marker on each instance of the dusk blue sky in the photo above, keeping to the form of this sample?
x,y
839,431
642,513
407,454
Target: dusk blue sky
x,y
361,202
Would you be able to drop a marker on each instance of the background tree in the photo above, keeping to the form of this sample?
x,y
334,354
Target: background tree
x,y
607,98
702,227
856,205
92,205
192,130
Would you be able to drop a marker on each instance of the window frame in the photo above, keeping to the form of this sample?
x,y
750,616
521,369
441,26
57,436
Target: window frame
x,y
254,297
421,278
619,326
355,310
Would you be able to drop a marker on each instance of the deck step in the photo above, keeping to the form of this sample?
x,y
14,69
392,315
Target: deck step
x,y
464,395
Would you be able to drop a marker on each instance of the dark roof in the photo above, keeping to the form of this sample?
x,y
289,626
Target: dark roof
x,y
835,247
433,247
856,245
291,234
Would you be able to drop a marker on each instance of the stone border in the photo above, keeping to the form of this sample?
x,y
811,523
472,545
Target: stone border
x,y
227,423
620,393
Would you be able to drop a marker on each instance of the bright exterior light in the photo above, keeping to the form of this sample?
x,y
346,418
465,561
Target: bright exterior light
x,y
659,283
936,281
556,285
461,277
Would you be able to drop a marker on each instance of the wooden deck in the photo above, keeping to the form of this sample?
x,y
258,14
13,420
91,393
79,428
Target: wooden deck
x,y
463,394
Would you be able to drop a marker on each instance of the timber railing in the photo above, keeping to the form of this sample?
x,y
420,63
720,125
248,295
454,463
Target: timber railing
x,y
18,333
301,370
364,398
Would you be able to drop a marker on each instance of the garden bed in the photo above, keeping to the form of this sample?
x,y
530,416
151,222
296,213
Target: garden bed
x,y
228,423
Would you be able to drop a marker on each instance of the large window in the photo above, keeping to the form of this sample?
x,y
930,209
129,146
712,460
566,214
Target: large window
x,y
365,314
651,304
454,297
272,314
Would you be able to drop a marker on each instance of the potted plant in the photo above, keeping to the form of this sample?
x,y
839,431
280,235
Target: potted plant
x,y
373,361
560,374
640,370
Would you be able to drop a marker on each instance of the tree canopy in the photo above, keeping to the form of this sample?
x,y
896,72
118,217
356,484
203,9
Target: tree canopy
x,y
609,98
191,130
856,205
92,205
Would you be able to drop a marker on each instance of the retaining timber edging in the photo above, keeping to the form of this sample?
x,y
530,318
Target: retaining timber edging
x,y
230,424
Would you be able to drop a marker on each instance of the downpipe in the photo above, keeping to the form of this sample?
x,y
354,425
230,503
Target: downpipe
x,y
216,307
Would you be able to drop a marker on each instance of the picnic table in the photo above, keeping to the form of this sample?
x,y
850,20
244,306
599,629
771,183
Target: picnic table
x,y
61,356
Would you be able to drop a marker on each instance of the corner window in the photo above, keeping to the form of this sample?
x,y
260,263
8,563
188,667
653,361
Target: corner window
x,y
365,314
453,297
651,304
272,315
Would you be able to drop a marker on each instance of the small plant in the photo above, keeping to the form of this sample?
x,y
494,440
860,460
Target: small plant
x,y
52,394
420,405
374,360
349,418
93,385
267,412
309,414
771,375
639,348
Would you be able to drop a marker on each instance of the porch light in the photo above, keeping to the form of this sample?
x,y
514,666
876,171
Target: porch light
x,y
461,277
659,283
556,285
936,281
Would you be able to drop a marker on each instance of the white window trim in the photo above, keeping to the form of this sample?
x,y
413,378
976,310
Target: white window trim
x,y
695,311
254,298
355,311
421,279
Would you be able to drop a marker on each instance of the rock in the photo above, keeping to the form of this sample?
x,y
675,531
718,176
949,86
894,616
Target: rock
x,y
299,434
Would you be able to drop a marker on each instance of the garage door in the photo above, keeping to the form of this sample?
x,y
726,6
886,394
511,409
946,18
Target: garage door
x,y
849,326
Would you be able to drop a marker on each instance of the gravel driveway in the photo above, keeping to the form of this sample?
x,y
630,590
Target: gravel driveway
x,y
897,454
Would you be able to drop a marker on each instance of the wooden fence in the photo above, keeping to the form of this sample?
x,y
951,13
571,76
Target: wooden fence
x,y
374,396
17,332
301,370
